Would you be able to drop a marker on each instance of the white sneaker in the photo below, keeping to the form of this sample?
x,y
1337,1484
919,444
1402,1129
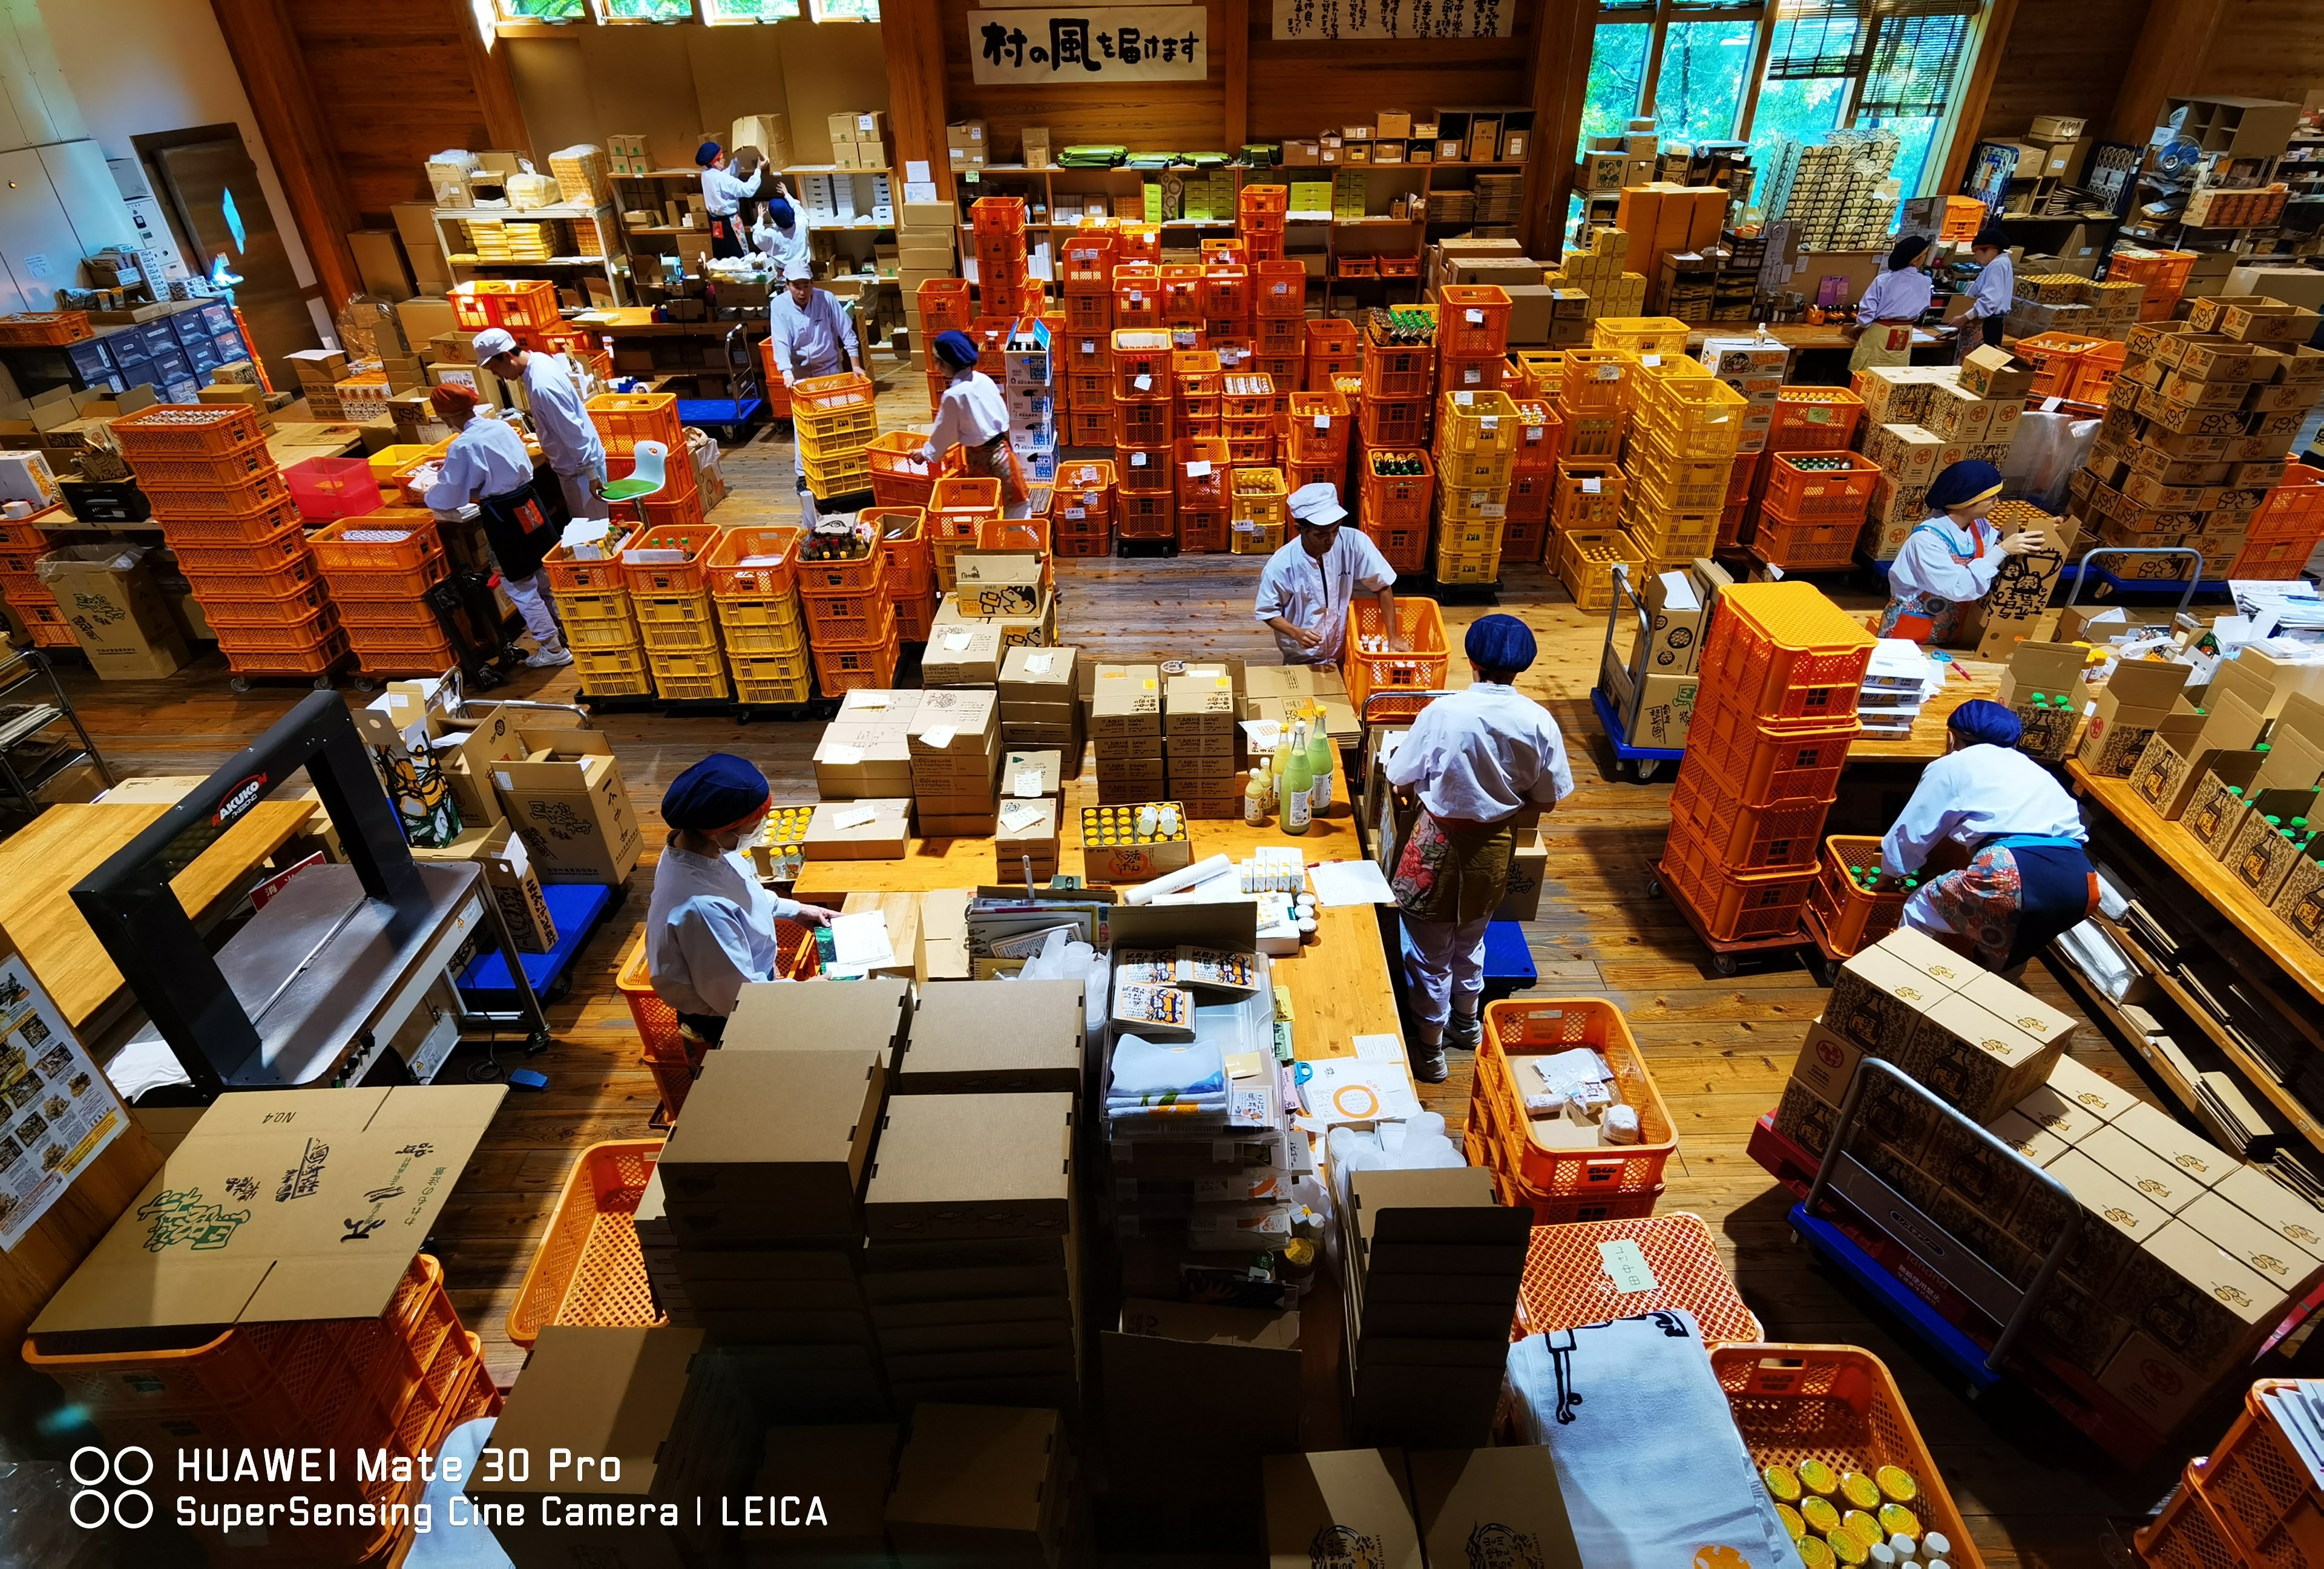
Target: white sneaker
x,y
549,658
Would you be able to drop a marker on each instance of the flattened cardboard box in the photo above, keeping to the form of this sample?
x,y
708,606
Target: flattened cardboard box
x,y
250,1218
983,1037
972,1165
509,878
615,1391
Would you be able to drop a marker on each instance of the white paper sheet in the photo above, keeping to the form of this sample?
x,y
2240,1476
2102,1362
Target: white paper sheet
x,y
861,940
1346,882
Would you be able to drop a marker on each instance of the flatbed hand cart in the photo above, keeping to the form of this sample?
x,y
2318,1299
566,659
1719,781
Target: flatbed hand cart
x,y
736,413
1727,953
1643,761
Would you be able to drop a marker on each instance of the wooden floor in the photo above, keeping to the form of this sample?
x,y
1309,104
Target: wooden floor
x,y
1721,1048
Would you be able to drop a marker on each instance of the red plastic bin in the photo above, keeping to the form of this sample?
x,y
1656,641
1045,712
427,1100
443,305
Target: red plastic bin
x,y
327,488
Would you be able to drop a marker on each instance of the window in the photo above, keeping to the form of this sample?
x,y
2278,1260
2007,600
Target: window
x,y
543,10
1617,75
1699,91
716,12
644,10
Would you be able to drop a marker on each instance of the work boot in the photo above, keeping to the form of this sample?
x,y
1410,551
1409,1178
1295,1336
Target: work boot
x,y
1463,1033
1427,1058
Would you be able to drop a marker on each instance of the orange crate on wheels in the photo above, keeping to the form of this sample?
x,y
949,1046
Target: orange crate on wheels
x,y
589,1269
1807,495
1809,545
272,553
1839,1405
760,563
1518,1028
1731,905
848,669
1780,835
690,576
1204,530
1815,419
1145,515
1421,666
1852,917
1758,762
259,520
1782,652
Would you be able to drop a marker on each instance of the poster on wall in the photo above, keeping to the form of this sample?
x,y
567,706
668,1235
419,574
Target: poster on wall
x,y
1413,19
1124,44
56,1110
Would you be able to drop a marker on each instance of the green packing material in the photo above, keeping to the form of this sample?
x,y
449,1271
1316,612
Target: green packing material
x,y
1207,160
1262,154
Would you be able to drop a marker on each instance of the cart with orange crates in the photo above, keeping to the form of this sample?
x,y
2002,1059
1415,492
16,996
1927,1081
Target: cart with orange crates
x,y
1776,692
851,630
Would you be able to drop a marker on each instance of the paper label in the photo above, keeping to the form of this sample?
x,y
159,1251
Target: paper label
x,y
1464,399
1018,816
1027,782
1137,297
1472,374
501,778
869,701
1489,424
1089,346
1245,525
938,738
1610,373
1198,471
1626,1266
2049,405
1076,511
1144,383
1818,414
1474,318
1322,421
1039,664
854,817
1591,487
1138,460
957,638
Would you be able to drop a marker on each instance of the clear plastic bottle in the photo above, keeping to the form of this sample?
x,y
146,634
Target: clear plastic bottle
x,y
1296,777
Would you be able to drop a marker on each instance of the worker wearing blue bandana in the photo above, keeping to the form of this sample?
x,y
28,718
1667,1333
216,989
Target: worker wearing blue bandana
x,y
2029,875
974,415
721,198
1950,560
1476,759
711,926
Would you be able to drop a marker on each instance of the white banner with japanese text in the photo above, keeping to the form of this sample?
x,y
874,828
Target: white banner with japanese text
x,y
1113,43
1413,19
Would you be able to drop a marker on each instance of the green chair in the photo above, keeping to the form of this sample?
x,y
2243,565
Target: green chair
x,y
646,479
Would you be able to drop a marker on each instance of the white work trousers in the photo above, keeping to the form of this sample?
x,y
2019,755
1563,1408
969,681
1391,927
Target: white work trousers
x,y
532,602
579,500
1445,965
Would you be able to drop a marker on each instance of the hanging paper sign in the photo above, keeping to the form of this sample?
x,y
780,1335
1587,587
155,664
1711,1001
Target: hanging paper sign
x,y
1137,43
1333,19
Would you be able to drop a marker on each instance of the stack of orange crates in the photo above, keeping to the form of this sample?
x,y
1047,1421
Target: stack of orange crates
x,y
945,306
1226,298
379,568
753,574
1081,508
899,478
667,571
2164,274
526,310
625,418
1083,322
23,543
1333,348
851,622
1472,337
1315,431
1261,213
393,1386
1590,401
1278,322
226,513
1533,482
1199,411
1252,408
1813,508
911,569
1400,387
1395,508
1202,473
1145,431
2287,528
1004,285
1774,711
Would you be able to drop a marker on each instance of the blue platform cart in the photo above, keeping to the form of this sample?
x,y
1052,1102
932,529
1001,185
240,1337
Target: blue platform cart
x,y
578,908
1643,761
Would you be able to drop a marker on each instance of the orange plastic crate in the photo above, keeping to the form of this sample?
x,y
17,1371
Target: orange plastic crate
x,y
1203,530
1226,292
1145,515
319,658
1139,421
1732,906
364,617
1473,318
1279,288
2276,560
625,418
293,608
1815,419
848,669
505,302
997,215
270,554
1782,652
1518,1029
299,572
1399,370
187,430
1182,291
2259,1487
946,305
1422,666
863,574
1394,421
2189,1534
44,329
774,553
1086,261
223,471
1136,296
1852,919
1565,1285
589,1269
420,546
1332,348
1386,501
690,576
1810,545
587,576
1758,763
1204,490
916,617
1807,494
259,520
1780,834
959,506
1317,428
911,569
1143,355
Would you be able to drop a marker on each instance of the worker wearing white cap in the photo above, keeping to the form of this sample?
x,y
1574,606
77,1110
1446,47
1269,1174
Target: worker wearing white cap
x,y
559,417
1306,590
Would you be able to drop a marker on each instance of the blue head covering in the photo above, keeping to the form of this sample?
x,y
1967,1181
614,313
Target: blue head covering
x,y
721,791
1982,720
782,212
1962,482
707,154
1501,644
957,348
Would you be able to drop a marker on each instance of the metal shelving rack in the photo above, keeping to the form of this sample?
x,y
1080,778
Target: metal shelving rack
x,y
31,751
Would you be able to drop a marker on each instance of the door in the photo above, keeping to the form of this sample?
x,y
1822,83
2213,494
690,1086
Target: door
x,y
209,188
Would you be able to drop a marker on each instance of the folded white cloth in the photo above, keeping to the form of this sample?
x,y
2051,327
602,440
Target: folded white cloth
x,y
1647,1452
1145,1067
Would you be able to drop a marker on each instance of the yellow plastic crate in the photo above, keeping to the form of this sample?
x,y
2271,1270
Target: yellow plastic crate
x,y
1475,470
1256,495
1477,422
1467,539
1640,335
612,604
1479,504
672,610
599,634
768,670
1468,566
681,637
617,661
1586,563
1249,537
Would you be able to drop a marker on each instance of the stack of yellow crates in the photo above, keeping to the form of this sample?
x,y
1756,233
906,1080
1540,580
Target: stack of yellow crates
x,y
753,574
1477,436
1684,429
835,420
667,571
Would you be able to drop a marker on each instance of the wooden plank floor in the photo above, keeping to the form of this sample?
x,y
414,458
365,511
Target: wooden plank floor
x,y
1721,1048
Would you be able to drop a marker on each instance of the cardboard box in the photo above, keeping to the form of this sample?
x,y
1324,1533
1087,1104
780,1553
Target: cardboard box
x,y
1876,1001
1163,1349
1500,1507
855,760
1993,372
510,879
566,799
1827,1063
2114,1221
866,1015
1042,677
973,1165
962,656
2160,1388
979,1481
2177,757
836,833
1528,870
2275,1206
985,1037
118,614
2129,708
1335,1496
2195,1301
779,1147
185,1260
1000,583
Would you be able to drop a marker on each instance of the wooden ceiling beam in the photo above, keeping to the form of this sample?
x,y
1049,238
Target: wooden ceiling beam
x,y
273,71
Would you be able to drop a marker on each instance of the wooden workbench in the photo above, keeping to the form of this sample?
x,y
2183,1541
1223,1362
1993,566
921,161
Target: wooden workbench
x,y
1965,679
40,863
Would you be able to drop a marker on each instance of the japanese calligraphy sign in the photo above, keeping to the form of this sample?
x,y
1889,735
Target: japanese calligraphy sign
x,y
1333,19
1131,43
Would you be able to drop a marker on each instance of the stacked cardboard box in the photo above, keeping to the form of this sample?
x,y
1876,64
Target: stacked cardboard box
x,y
1600,274
860,139
2198,422
1662,218
849,1469
865,752
1837,192
1753,366
982,1484
1010,589
563,795
965,147
928,246
967,654
2043,688
321,371
1040,705
953,742
1200,731
1126,730
1654,690
1433,1266
994,1037
972,1270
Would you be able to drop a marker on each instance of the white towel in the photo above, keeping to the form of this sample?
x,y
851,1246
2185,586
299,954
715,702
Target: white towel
x,y
1647,1452
1143,1068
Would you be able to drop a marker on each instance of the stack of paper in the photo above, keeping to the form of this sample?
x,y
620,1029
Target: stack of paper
x,y
1898,680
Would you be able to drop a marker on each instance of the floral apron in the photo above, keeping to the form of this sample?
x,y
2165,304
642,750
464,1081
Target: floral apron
x,y
1453,877
1923,618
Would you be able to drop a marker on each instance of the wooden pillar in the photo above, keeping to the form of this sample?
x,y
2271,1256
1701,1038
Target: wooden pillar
x,y
911,32
2167,62
488,69
1998,21
1563,33
1234,22
273,71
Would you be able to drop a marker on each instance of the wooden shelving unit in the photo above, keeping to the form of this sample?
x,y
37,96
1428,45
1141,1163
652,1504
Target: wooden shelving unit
x,y
464,264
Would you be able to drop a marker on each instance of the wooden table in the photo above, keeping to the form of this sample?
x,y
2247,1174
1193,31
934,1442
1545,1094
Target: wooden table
x,y
40,863
1966,679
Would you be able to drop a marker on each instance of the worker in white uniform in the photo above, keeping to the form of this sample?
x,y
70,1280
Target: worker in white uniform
x,y
780,233
1307,586
810,337
1988,298
710,928
2028,877
1949,561
722,196
560,419
488,467
1883,328
1476,759
974,415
